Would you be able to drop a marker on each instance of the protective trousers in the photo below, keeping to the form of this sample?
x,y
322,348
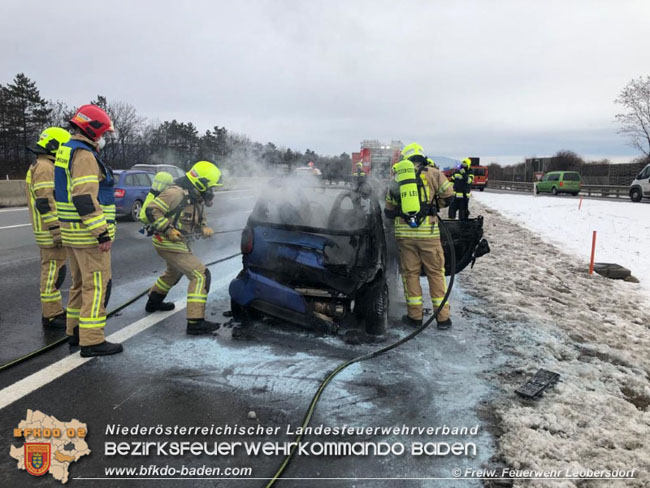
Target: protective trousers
x,y
90,270
460,205
415,255
52,276
185,263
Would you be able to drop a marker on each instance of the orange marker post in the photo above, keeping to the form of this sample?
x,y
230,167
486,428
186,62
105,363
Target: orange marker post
x,y
580,204
593,253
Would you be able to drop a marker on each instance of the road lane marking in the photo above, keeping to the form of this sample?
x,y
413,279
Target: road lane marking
x,y
14,226
13,209
27,385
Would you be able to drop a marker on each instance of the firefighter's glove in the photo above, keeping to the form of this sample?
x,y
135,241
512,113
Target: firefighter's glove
x,y
174,235
207,232
446,202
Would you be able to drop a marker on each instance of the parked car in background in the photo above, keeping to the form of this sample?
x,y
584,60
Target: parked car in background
x,y
640,187
560,182
131,188
175,171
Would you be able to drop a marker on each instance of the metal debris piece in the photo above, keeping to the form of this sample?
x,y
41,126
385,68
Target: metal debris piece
x,y
535,386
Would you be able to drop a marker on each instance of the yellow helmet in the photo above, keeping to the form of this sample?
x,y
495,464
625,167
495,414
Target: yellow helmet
x,y
360,165
161,181
432,163
204,175
50,140
413,149
466,163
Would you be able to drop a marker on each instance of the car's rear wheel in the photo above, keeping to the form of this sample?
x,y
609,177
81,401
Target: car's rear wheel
x,y
575,193
635,195
536,189
135,210
554,190
375,313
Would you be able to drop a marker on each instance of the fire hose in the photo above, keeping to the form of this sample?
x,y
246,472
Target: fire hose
x,y
110,314
312,406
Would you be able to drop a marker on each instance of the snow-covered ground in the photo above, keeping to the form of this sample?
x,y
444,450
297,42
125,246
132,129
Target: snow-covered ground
x,y
623,228
543,310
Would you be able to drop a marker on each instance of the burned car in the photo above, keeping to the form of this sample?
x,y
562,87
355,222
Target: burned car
x,y
316,255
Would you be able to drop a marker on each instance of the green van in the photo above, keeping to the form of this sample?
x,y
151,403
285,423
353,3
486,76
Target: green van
x,y
560,182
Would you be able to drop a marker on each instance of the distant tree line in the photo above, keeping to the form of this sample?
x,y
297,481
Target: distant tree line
x,y
24,113
601,172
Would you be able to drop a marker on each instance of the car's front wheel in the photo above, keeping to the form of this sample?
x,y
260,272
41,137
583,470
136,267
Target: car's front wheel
x,y
375,300
635,195
135,210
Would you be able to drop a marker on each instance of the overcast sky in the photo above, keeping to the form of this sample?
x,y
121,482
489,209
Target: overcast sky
x,y
496,79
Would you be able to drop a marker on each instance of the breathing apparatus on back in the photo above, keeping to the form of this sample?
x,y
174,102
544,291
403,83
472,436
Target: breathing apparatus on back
x,y
414,205
161,182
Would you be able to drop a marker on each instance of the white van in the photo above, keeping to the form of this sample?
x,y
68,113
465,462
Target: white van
x,y
640,187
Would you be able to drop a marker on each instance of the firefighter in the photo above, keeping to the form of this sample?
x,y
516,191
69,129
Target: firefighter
x,y
432,163
177,215
359,171
39,185
161,182
86,210
463,179
417,190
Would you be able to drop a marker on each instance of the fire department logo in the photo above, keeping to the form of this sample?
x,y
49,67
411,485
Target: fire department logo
x,y
37,458
49,446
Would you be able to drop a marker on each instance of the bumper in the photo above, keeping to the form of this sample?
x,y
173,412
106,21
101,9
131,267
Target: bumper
x,y
253,290
249,287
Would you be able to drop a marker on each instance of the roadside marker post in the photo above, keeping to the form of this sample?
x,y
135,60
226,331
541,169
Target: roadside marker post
x,y
580,204
593,253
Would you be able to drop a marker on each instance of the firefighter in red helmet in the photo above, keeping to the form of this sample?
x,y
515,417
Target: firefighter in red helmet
x,y
86,211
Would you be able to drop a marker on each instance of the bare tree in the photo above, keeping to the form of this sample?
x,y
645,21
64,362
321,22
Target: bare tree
x,y
635,121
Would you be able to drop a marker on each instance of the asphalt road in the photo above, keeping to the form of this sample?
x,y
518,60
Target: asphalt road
x,y
273,369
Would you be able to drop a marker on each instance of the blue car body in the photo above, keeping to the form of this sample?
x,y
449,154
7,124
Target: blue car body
x,y
307,263
135,184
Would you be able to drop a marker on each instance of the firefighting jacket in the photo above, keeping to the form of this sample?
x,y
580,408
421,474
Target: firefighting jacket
x,y
39,186
463,182
84,194
438,189
175,208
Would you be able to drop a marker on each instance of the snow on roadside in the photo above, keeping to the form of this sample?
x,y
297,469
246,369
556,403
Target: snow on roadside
x,y
623,228
544,311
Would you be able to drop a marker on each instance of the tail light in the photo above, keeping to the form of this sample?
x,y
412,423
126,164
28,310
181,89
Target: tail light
x,y
561,183
247,241
119,193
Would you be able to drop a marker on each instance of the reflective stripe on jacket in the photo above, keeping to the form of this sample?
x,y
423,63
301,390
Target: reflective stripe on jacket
x,y
39,186
80,173
463,180
437,186
173,208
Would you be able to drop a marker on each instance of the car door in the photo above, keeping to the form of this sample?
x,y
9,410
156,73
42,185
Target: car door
x,y
144,185
543,185
644,181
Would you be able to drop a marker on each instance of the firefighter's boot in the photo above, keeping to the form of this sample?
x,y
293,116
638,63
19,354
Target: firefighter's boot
x,y
102,349
444,324
73,340
411,322
56,322
201,326
156,302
